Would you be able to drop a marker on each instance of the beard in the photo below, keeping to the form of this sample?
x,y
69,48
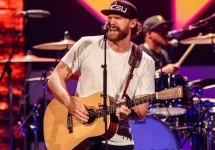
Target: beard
x,y
122,34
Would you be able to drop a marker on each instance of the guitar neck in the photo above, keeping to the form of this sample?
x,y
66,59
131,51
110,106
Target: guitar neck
x,y
132,103
176,92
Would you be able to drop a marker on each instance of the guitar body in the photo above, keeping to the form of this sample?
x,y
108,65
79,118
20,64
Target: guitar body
x,y
83,136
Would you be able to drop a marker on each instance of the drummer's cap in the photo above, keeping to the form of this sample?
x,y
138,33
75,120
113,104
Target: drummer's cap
x,y
155,22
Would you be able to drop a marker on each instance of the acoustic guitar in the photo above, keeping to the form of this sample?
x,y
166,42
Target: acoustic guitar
x,y
63,132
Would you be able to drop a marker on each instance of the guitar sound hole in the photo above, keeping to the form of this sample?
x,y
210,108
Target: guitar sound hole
x,y
92,117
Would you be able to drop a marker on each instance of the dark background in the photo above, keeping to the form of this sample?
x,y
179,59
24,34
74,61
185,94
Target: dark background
x,y
70,15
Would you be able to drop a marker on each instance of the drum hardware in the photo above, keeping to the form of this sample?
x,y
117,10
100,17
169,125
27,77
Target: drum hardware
x,y
23,97
65,44
35,112
29,58
194,127
175,106
206,39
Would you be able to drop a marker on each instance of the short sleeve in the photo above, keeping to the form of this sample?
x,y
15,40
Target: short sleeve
x,y
146,84
73,57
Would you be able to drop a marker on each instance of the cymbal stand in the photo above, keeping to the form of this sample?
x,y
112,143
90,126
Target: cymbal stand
x,y
23,102
35,127
35,113
192,129
50,68
45,87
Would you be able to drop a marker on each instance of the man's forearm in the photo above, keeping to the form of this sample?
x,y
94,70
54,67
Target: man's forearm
x,y
58,89
135,115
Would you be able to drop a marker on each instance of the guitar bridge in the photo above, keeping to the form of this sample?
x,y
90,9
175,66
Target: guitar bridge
x,y
69,123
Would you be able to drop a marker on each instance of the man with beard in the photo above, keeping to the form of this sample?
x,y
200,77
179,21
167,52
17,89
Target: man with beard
x,y
155,30
87,56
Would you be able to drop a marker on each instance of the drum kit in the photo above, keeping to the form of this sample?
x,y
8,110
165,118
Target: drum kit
x,y
179,124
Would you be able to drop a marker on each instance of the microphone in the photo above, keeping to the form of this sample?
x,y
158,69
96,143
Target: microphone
x,y
189,28
173,42
105,27
35,13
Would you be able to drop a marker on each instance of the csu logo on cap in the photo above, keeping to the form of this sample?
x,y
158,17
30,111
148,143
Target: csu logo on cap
x,y
118,7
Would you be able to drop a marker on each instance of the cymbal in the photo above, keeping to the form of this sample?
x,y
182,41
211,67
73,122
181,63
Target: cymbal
x,y
204,99
75,76
203,82
206,39
29,58
61,45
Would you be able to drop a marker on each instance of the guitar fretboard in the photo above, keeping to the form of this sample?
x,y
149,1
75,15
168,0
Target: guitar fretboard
x,y
137,101
176,92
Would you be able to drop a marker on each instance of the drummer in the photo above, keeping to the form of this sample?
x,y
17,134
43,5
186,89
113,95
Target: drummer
x,y
155,30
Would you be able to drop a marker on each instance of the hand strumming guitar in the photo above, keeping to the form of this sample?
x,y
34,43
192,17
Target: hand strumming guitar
x,y
77,110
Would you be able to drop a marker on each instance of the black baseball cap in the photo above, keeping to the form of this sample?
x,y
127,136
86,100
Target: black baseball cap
x,y
155,22
123,8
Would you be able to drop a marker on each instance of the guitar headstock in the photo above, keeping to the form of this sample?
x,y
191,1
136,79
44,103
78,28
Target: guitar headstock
x,y
172,93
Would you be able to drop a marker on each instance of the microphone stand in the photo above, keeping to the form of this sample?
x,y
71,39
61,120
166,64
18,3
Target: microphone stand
x,y
8,69
105,90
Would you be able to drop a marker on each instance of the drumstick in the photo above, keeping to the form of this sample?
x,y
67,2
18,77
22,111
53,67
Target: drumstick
x,y
187,52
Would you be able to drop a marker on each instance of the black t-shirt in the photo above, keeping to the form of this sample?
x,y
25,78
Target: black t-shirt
x,y
161,59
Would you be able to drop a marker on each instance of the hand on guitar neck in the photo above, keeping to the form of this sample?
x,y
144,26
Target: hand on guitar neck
x,y
123,110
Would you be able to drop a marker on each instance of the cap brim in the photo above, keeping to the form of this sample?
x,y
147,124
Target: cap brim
x,y
168,23
107,12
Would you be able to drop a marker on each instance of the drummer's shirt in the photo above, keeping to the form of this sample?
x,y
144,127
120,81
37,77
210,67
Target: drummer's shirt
x,y
87,56
161,59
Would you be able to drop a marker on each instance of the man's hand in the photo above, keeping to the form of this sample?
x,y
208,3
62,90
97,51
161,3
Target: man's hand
x,y
171,68
123,110
77,110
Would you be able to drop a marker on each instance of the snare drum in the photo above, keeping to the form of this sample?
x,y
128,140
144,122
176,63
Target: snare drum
x,y
152,134
171,107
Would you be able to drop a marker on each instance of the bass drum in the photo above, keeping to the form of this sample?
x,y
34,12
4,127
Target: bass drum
x,y
153,134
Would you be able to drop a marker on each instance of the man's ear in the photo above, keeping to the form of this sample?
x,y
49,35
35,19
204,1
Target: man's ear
x,y
148,34
133,23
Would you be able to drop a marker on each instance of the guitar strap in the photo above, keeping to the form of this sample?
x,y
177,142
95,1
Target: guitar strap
x,y
134,62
